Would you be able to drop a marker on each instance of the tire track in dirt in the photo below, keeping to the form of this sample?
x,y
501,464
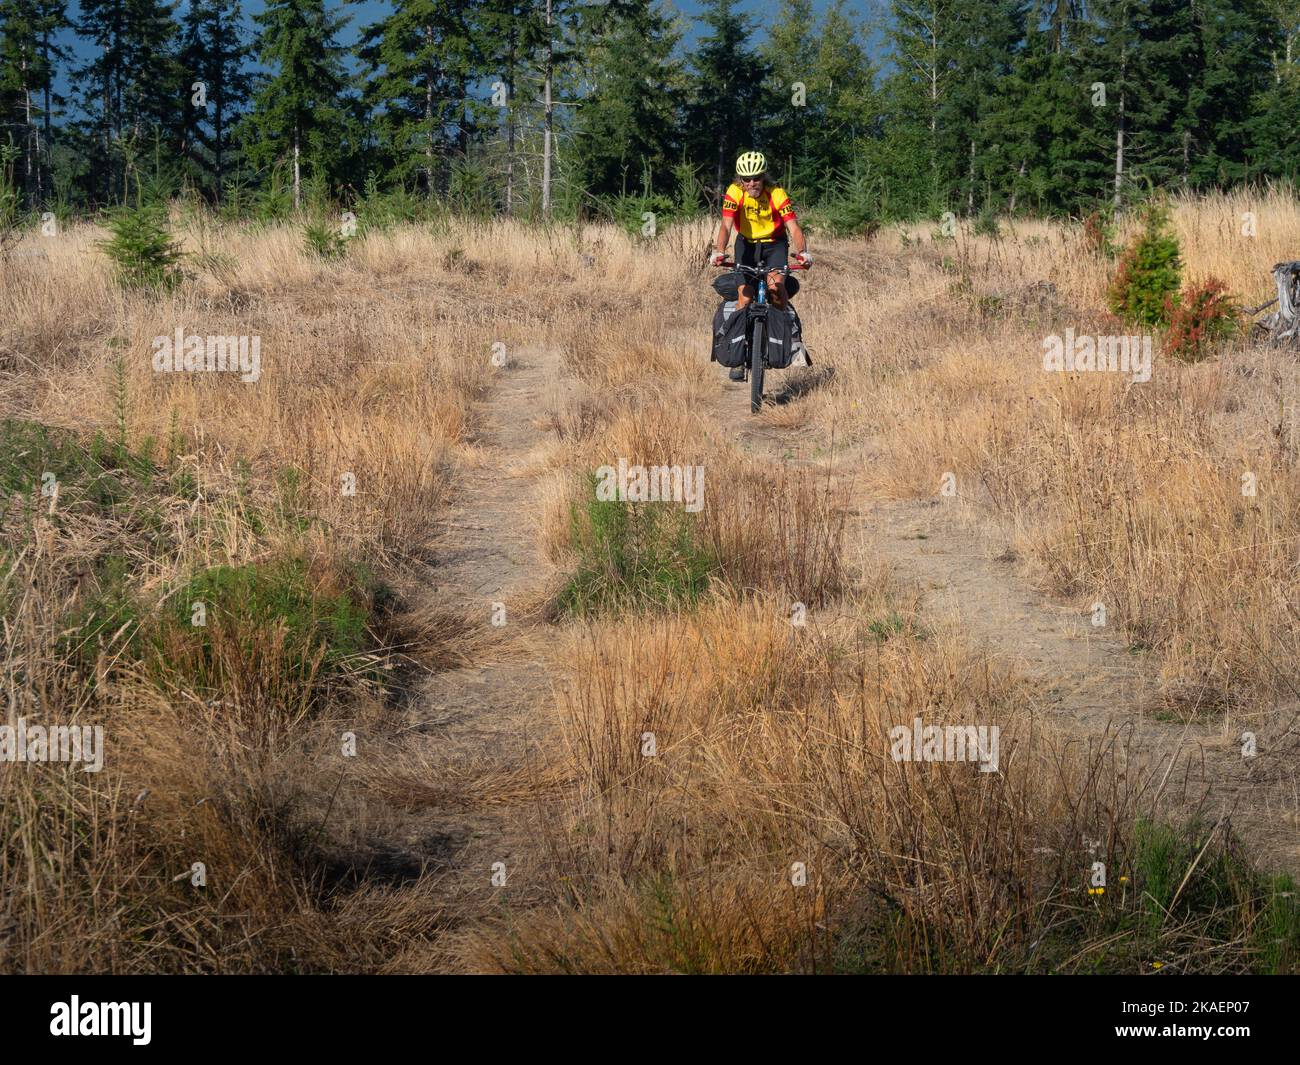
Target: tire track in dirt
x,y
1086,681
472,763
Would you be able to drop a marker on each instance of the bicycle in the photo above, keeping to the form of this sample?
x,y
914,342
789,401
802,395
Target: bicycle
x,y
756,356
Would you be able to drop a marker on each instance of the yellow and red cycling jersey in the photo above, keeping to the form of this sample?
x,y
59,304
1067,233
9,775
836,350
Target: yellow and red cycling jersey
x,y
762,219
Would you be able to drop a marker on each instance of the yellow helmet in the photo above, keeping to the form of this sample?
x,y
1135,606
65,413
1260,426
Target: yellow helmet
x,y
751,164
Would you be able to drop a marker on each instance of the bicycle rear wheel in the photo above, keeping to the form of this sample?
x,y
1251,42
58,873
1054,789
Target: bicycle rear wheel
x,y
757,342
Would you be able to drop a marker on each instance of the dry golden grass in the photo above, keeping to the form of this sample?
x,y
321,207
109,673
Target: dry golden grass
x,y
1124,493
361,374
771,740
714,751
779,528
96,869
226,751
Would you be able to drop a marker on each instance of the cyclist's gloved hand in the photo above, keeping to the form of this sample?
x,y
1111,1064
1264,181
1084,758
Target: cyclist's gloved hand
x,y
717,258
803,257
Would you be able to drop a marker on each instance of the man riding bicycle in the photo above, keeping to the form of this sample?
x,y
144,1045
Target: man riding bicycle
x,y
764,219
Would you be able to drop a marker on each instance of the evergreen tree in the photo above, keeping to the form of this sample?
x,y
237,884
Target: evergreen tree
x,y
214,54
1186,81
1274,139
1112,59
817,136
131,86
848,106
510,34
566,29
725,113
1238,39
1054,149
27,71
420,60
975,114
911,154
788,50
988,104
300,117
1162,114
153,90
627,126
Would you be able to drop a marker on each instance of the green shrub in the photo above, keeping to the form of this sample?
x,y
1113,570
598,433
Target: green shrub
x,y
99,474
1150,271
9,201
143,254
108,621
894,625
280,629
259,596
377,210
628,212
293,504
325,241
634,555
250,198
853,206
1170,890
986,224
690,190
471,190
1178,878
325,632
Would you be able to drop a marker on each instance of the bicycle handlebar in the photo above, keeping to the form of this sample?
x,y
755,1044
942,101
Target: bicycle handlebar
x,y
765,271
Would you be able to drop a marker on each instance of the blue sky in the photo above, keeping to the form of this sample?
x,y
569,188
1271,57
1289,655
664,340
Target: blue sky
x,y
366,12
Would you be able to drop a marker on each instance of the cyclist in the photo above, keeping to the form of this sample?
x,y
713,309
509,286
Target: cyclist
x,y
765,222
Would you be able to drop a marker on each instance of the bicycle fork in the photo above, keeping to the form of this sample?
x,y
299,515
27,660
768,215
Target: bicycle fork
x,y
758,310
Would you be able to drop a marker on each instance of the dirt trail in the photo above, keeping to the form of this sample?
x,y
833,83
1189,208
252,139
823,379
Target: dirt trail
x,y
474,732
1087,680
968,574
480,726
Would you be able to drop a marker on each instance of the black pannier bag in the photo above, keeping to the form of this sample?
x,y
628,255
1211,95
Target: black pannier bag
x,y
729,335
797,323
780,338
728,285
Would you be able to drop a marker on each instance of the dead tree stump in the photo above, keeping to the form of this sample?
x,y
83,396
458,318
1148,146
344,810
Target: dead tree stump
x,y
1283,325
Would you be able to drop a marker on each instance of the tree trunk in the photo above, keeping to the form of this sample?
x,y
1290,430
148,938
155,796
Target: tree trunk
x,y
428,115
934,108
1015,187
462,131
546,136
1119,133
219,148
45,118
108,139
29,133
970,181
297,170
218,117
1283,325
510,129
1119,154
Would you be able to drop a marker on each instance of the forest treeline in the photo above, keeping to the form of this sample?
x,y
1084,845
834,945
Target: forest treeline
x,y
564,108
